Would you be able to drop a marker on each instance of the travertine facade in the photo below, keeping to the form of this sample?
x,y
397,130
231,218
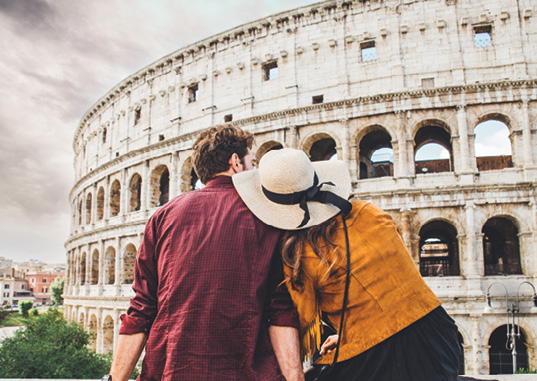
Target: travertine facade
x,y
345,77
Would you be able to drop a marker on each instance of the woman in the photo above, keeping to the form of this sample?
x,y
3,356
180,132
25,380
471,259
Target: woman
x,y
393,326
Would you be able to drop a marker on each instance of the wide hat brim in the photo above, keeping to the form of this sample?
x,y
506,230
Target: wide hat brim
x,y
289,217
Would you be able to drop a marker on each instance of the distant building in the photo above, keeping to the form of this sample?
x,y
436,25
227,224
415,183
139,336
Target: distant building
x,y
40,283
13,290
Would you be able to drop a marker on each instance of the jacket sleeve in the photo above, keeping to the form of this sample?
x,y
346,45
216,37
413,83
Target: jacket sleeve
x,y
143,306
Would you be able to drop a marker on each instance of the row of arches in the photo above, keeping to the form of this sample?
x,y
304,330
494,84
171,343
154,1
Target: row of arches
x,y
433,153
102,334
439,248
86,269
433,150
158,196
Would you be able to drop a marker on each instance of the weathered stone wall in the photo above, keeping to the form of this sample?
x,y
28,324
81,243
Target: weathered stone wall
x,y
427,80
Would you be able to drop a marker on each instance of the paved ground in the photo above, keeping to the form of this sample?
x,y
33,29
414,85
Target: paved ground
x,y
7,332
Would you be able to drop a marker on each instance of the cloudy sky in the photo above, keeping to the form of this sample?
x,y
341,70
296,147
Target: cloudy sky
x,y
57,58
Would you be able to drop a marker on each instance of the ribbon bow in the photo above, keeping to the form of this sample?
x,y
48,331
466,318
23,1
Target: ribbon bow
x,y
313,193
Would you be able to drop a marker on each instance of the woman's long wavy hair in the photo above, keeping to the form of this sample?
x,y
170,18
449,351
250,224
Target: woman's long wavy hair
x,y
321,240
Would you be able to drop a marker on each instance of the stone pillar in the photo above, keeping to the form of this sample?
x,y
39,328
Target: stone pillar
x,y
463,139
406,232
117,325
470,260
401,163
476,364
100,332
174,176
94,204
123,201
146,186
88,268
119,263
526,136
293,137
106,211
102,256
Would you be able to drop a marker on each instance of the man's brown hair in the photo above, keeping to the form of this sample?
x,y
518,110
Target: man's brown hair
x,y
214,147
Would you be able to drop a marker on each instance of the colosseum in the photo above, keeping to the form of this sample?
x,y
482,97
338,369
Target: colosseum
x,y
404,91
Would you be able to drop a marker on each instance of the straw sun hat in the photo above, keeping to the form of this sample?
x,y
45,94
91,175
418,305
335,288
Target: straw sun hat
x,y
290,192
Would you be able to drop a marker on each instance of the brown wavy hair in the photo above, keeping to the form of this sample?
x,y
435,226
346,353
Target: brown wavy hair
x,y
321,240
214,147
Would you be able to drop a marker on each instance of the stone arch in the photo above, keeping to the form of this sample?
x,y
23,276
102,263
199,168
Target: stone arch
x,y
94,270
129,259
135,191
493,142
375,153
439,249
115,198
320,146
82,269
432,142
501,246
93,332
108,335
266,147
89,202
500,355
189,177
160,186
81,318
100,204
110,266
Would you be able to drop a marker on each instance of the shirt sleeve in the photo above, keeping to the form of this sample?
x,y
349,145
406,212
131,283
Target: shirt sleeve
x,y
280,310
143,306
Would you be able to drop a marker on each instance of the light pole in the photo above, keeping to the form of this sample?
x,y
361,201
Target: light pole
x,y
513,316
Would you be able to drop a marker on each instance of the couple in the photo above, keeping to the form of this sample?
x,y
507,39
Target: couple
x,y
212,301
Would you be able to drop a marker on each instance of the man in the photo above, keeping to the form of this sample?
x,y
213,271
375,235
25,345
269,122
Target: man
x,y
208,298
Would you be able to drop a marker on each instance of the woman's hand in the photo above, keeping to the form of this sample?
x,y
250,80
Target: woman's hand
x,y
329,345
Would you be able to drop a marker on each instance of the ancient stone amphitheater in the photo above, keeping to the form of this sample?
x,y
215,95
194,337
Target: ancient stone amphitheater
x,y
404,91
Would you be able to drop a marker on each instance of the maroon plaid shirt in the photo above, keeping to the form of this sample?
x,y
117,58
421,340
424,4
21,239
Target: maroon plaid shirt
x,y
206,283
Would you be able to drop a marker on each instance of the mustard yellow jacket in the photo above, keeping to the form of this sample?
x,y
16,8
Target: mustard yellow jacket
x,y
386,292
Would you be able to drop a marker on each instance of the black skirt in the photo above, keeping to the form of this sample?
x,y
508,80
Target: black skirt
x,y
427,350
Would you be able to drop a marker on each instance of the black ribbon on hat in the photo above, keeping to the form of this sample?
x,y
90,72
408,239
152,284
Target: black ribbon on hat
x,y
313,193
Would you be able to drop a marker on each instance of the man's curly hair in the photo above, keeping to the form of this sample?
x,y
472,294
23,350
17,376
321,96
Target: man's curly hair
x,y
214,147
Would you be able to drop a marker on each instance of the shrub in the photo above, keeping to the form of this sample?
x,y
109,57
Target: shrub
x,y
50,347
33,312
25,306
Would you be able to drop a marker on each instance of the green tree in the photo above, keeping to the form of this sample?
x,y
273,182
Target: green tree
x,y
51,347
25,306
57,290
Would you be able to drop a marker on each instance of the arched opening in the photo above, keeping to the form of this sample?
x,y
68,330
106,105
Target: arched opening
x,y
492,146
129,259
93,332
81,319
94,274
189,177
135,190
323,149
108,335
266,147
432,150
501,248
110,266
439,249
376,154
500,351
115,198
89,200
100,204
82,269
160,184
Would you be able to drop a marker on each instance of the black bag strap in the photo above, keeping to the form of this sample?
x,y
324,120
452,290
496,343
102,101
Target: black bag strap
x,y
346,294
